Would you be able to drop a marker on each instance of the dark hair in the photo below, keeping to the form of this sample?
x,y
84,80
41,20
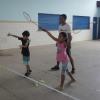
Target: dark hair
x,y
64,35
64,16
26,33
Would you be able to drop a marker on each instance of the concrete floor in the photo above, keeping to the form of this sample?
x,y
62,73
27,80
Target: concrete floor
x,y
87,62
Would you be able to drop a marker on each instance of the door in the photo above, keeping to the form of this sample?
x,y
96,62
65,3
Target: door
x,y
95,28
99,28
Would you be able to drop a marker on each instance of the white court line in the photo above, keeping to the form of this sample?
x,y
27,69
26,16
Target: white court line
x,y
42,84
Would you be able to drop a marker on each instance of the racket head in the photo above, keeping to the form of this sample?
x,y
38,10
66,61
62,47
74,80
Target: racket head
x,y
27,16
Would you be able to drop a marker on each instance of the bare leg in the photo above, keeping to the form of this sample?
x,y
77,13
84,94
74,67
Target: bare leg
x,y
28,70
62,81
71,60
72,78
72,63
70,75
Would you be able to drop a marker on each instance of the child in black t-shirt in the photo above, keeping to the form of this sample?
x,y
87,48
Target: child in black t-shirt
x,y
25,50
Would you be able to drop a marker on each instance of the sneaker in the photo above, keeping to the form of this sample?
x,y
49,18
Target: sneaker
x,y
55,68
28,73
73,71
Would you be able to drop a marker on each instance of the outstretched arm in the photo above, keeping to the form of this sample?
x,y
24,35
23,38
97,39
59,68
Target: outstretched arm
x,y
9,34
54,38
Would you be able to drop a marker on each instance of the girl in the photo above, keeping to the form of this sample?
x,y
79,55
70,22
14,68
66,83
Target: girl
x,y
61,56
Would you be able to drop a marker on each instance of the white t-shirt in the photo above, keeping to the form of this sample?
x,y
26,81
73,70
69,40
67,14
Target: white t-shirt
x,y
65,28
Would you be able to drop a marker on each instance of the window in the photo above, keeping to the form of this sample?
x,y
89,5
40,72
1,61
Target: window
x,y
81,22
48,21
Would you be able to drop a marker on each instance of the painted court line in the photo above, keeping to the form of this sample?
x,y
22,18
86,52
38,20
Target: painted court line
x,y
42,84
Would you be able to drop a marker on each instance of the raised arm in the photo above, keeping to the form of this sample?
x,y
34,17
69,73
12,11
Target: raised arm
x,y
54,38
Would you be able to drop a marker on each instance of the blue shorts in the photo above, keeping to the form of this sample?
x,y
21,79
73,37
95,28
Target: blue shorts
x,y
64,68
26,60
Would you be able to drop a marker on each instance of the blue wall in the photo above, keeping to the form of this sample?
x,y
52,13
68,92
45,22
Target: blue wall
x,y
12,9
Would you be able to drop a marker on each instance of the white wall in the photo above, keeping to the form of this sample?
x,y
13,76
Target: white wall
x,y
12,10
37,37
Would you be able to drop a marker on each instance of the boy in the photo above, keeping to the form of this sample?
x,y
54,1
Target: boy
x,y
25,50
